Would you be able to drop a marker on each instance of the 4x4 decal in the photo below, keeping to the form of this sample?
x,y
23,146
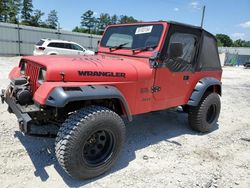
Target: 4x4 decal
x,y
104,74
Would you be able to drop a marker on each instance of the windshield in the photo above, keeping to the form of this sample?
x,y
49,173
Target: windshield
x,y
133,36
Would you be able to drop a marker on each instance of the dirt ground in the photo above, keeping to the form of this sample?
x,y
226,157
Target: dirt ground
x,y
161,150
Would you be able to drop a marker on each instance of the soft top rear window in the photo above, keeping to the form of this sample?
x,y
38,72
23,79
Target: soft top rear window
x,y
133,36
209,56
40,43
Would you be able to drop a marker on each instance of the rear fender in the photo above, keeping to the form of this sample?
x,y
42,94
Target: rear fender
x,y
61,96
201,87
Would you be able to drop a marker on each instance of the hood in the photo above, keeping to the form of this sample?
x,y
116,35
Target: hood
x,y
97,68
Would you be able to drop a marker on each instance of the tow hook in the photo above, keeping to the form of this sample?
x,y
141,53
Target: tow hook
x,y
2,95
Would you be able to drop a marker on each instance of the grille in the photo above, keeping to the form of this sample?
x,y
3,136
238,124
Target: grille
x,y
32,72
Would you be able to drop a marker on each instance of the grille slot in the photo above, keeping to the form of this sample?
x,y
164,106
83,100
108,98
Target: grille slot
x,y
32,72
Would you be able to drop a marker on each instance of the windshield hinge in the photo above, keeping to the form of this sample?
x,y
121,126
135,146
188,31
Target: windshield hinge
x,y
155,89
153,60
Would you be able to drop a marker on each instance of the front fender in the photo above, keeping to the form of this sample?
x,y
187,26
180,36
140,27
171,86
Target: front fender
x,y
61,96
200,89
15,73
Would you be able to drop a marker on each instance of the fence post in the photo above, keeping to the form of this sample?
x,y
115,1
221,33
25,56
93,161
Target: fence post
x,y
19,38
58,31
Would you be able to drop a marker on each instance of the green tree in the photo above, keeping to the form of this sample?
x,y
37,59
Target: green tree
x,y
4,10
91,24
1,11
114,19
80,30
88,20
241,43
52,19
14,7
247,44
238,43
103,21
35,19
127,19
219,43
26,11
225,40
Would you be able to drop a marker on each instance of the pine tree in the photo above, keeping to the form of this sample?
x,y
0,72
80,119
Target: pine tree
x,y
88,20
104,20
127,19
35,20
27,10
13,10
52,19
114,19
3,10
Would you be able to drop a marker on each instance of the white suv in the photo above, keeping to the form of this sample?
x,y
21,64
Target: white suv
x,y
57,47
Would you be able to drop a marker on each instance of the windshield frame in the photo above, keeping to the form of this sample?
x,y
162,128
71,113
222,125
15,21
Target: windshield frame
x,y
130,51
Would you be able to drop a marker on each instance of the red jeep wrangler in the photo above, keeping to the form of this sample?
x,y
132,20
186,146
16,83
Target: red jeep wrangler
x,y
139,68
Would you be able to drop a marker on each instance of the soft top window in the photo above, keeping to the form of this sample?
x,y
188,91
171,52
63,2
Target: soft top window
x,y
133,36
181,52
209,57
188,42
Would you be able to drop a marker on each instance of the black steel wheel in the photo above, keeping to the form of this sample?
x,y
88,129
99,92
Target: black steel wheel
x,y
98,147
211,113
89,142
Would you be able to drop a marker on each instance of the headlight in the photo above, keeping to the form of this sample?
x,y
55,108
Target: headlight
x,y
41,76
23,68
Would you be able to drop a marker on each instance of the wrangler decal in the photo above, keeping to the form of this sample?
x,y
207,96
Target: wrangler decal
x,y
104,74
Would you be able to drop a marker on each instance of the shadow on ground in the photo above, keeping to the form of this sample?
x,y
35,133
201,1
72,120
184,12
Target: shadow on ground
x,y
145,130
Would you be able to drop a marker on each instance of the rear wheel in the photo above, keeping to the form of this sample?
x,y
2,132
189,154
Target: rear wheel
x,y
89,142
204,117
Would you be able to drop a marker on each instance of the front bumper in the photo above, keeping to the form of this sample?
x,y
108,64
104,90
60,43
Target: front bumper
x,y
23,118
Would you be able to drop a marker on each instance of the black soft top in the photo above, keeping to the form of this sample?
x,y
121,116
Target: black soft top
x,y
207,57
192,27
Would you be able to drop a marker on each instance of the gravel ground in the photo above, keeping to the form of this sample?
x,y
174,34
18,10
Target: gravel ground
x,y
161,150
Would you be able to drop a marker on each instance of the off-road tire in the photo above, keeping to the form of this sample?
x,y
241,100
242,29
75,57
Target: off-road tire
x,y
203,118
73,141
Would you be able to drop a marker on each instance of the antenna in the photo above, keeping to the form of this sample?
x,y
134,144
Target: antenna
x,y
203,15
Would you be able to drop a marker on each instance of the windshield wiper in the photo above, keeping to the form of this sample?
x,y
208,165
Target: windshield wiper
x,y
118,46
145,48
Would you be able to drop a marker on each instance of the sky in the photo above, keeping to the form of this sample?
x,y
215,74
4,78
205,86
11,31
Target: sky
x,y
231,17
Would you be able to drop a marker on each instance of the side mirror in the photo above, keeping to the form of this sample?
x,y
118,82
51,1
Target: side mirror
x,y
175,50
98,42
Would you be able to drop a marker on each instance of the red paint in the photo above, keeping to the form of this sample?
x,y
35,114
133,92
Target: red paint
x,y
135,86
14,73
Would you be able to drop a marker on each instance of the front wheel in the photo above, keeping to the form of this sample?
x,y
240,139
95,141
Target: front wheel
x,y
89,142
203,118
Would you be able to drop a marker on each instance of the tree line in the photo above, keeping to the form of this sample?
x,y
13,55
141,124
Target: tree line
x,y
225,41
96,25
23,12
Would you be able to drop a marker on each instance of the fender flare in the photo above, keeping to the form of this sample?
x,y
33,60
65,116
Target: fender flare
x,y
61,96
201,88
